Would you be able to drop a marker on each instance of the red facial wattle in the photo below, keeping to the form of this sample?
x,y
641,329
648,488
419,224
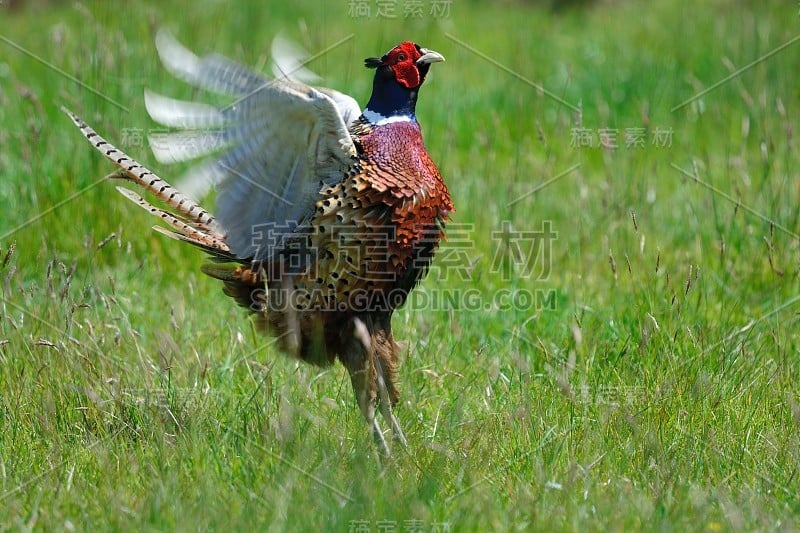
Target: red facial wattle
x,y
407,74
402,59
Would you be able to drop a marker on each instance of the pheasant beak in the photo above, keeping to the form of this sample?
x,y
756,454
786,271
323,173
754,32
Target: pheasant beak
x,y
429,56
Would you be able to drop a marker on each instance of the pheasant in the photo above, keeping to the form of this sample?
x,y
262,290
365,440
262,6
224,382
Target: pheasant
x,y
326,216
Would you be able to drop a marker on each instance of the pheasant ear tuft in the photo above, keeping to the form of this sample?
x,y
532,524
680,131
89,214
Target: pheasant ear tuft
x,y
373,62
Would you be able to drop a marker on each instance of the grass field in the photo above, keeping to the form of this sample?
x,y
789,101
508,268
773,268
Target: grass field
x,y
610,340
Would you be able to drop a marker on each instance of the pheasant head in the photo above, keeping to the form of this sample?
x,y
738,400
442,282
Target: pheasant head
x,y
398,77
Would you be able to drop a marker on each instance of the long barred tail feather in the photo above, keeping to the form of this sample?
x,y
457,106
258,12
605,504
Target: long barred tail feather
x,y
192,223
184,229
218,255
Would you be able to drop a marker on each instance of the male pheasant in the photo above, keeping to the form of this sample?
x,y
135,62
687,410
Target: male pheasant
x,y
327,216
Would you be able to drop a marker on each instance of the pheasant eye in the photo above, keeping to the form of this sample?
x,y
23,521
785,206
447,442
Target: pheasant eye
x,y
401,56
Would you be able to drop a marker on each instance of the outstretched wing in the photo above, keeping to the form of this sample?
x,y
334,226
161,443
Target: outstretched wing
x,y
279,142
288,62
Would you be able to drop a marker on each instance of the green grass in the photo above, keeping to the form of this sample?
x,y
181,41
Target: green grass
x,y
653,385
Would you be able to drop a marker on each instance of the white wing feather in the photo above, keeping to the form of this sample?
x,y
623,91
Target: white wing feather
x,y
279,142
288,61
